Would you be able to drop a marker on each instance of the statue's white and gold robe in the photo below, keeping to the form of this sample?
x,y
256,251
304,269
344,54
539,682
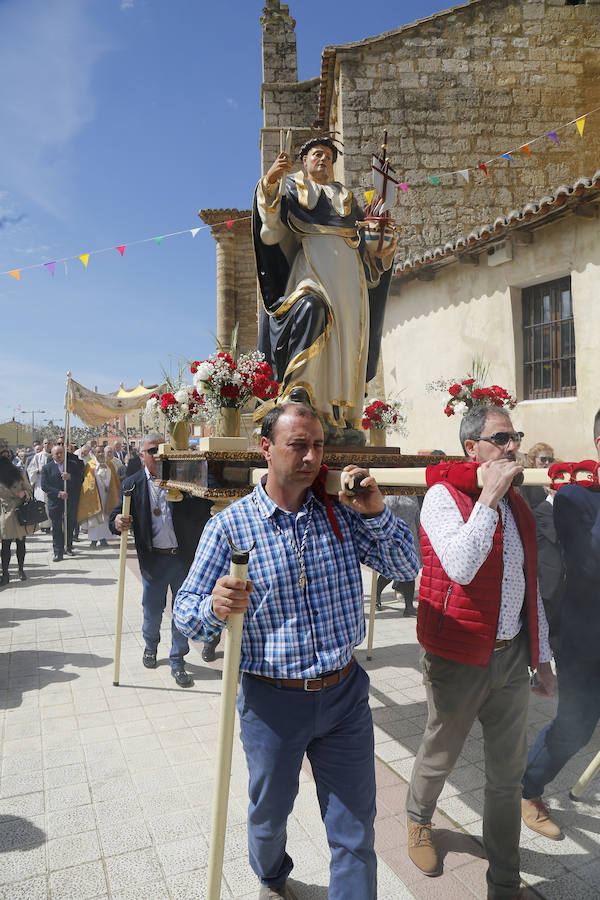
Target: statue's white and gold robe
x,y
316,278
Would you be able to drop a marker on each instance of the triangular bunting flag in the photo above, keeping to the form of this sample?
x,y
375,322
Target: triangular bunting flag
x,y
553,136
84,258
403,186
229,223
15,274
580,122
483,167
525,149
434,179
465,174
369,196
158,241
121,249
50,267
507,156
194,231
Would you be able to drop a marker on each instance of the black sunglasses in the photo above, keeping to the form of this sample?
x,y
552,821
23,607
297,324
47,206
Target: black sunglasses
x,y
502,438
546,460
151,450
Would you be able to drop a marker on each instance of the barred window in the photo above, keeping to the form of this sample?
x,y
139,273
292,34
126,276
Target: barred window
x,y
548,340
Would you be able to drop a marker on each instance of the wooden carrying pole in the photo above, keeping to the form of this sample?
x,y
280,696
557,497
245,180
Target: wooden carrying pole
x,y
409,477
231,667
127,492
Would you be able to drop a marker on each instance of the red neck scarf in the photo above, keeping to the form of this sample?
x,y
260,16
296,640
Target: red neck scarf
x,y
318,489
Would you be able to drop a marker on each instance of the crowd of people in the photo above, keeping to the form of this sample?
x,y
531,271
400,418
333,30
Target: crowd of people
x,y
508,581
89,484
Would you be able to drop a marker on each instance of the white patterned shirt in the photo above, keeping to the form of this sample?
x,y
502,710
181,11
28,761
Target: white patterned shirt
x,y
462,548
163,532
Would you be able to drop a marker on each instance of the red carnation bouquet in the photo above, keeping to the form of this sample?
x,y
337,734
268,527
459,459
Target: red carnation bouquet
x,y
466,393
180,403
384,415
227,382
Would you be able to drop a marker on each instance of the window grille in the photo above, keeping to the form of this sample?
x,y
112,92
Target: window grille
x,y
548,340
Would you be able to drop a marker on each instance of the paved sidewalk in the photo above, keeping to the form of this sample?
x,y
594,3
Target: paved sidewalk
x,y
106,792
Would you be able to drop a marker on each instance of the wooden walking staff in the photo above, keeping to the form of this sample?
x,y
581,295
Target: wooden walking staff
x,y
372,607
127,492
578,789
231,668
65,463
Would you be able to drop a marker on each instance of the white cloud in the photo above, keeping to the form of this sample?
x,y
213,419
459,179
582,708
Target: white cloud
x,y
127,4
48,50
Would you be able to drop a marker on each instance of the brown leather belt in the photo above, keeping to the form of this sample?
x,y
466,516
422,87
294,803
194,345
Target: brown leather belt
x,y
170,551
309,684
500,645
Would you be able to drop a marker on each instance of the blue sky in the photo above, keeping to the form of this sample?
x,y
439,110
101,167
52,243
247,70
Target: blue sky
x,y
119,120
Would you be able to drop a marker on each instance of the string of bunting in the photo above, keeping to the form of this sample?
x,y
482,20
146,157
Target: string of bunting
x,y
85,257
579,122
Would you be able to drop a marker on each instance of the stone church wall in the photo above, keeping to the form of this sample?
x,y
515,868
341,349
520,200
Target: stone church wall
x,y
460,88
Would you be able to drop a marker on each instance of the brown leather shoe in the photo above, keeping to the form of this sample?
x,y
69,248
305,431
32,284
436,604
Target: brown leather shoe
x,y
420,848
536,816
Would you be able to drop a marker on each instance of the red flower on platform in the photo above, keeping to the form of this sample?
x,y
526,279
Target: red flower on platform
x,y
167,400
384,416
231,391
467,393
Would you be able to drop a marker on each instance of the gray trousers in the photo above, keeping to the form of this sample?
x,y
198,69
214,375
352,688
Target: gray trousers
x,y
498,696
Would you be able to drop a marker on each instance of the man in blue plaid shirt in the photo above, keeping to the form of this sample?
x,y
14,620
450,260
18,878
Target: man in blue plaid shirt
x,y
301,691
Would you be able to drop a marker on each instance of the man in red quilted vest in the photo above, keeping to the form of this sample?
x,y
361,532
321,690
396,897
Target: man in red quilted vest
x,y
481,623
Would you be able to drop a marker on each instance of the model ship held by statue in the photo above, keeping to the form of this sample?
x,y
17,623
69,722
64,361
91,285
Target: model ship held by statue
x,y
380,229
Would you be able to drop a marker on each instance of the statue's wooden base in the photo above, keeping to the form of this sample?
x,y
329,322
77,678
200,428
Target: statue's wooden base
x,y
225,474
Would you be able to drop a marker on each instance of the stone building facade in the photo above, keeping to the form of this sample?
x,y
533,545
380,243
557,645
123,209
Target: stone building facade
x,y
455,89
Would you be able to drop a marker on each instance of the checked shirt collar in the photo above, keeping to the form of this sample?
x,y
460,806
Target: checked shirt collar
x,y
267,507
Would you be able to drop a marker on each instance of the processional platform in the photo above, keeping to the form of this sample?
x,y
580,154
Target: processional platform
x,y
226,475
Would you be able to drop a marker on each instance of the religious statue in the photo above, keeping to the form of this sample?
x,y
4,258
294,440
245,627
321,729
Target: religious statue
x,y
324,286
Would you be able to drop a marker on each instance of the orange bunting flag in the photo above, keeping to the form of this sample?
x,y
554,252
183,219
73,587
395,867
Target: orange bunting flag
x,y
121,249
369,196
15,274
484,167
229,223
525,149
84,258
580,125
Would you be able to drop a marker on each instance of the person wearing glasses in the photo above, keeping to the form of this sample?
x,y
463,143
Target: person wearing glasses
x,y
166,536
481,623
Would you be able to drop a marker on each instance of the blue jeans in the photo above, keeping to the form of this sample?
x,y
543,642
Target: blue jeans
x,y
162,572
576,718
335,729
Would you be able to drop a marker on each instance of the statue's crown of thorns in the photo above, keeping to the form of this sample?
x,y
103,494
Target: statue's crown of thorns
x,y
321,141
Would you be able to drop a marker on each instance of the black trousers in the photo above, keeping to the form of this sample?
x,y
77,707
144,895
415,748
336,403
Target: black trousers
x,y
6,554
58,537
